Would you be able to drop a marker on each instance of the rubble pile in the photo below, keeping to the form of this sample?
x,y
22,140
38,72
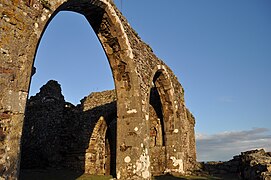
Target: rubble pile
x,y
251,165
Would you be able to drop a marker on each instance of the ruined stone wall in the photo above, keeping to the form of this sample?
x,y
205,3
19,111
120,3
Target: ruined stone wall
x,y
100,112
250,165
135,69
57,134
182,129
44,116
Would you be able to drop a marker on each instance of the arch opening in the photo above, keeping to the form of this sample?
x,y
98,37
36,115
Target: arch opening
x,y
70,52
100,154
165,90
160,110
157,134
56,133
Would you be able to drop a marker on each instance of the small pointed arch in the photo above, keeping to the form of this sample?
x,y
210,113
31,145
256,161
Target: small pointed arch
x,y
97,158
161,118
162,88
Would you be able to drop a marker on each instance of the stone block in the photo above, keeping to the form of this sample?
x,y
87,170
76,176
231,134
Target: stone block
x,y
14,101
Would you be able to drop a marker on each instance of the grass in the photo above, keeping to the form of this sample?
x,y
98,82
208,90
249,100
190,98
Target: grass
x,y
94,177
72,175
170,177
163,177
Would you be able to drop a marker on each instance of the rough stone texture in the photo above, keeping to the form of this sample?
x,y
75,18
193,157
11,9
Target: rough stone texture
x,y
256,164
44,116
136,70
57,134
251,165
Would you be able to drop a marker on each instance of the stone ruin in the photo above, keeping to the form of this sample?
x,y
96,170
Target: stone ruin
x,y
250,165
138,76
57,134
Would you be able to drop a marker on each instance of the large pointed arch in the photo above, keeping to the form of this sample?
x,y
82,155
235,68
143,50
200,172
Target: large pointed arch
x,y
105,20
108,27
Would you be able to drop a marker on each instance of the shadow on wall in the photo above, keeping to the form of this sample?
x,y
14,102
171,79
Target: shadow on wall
x,y
157,134
168,177
4,118
60,136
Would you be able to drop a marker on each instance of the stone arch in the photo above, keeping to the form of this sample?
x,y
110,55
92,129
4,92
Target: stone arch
x,y
132,63
31,19
106,23
104,19
162,83
162,118
97,160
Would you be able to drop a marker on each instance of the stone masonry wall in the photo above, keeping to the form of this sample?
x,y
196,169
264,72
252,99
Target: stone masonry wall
x,y
135,69
45,112
57,134
249,165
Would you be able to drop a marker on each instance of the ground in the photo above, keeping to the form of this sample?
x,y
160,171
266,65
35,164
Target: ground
x,y
53,174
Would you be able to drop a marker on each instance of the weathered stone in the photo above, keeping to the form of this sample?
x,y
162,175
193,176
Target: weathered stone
x,y
136,70
254,164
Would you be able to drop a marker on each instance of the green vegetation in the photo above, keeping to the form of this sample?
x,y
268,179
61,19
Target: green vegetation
x,y
94,177
59,175
52,174
170,177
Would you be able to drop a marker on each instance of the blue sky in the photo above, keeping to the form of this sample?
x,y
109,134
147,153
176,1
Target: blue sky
x,y
219,50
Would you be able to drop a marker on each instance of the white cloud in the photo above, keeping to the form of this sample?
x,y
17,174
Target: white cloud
x,y
223,146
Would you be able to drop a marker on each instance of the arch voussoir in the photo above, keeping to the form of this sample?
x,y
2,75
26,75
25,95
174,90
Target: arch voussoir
x,y
134,69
